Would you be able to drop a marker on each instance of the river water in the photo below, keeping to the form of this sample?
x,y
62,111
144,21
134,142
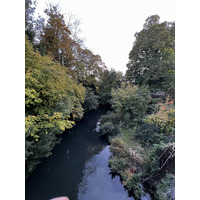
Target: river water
x,y
78,167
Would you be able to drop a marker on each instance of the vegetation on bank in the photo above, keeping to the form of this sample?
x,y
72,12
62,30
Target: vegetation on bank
x,y
64,80
141,126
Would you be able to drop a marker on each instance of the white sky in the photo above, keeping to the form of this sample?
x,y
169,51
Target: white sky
x,y
109,25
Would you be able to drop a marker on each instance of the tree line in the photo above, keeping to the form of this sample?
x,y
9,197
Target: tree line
x,y
63,80
141,126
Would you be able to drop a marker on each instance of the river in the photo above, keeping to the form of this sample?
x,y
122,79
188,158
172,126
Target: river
x,y
78,167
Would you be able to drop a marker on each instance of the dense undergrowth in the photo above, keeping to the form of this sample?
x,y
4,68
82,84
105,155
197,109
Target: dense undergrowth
x,y
143,149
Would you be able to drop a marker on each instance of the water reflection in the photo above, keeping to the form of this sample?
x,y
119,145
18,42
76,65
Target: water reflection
x,y
61,173
97,183
78,167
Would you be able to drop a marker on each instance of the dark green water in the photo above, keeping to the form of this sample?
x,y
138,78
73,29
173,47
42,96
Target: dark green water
x,y
78,167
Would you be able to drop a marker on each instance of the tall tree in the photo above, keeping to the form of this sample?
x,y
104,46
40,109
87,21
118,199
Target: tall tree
x,y
53,102
55,37
152,58
30,7
109,79
88,67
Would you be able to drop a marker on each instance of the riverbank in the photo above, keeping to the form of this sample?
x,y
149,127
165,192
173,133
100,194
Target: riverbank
x,y
130,159
78,167
142,142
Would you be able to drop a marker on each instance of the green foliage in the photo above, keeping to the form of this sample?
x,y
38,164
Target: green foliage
x,y
130,101
134,185
166,188
53,101
111,117
118,165
91,100
109,79
152,57
48,83
88,67
158,157
118,148
121,163
164,119
152,165
149,134
109,129
30,7
36,150
55,37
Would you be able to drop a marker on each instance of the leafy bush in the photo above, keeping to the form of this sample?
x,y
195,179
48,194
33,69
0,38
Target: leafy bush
x,y
108,129
153,163
110,117
130,102
37,150
164,118
118,148
134,185
160,158
91,100
118,165
130,179
109,79
149,134
165,190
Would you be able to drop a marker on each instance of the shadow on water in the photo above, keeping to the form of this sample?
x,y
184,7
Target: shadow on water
x,y
78,167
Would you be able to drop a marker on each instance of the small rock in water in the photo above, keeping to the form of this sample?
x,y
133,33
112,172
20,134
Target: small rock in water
x,y
98,126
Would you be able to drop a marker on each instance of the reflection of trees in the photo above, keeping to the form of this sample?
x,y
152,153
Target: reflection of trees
x,y
90,168
83,145
63,171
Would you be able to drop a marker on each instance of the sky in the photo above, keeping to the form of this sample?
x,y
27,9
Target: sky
x,y
108,26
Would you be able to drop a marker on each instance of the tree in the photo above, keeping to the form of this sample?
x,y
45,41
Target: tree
x,y
151,59
91,100
53,102
55,38
30,7
164,118
88,67
109,79
130,102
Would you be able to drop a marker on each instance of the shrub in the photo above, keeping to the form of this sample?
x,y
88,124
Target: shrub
x,y
166,188
109,129
130,102
118,165
91,100
159,156
134,185
164,118
118,148
153,164
110,117
149,134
